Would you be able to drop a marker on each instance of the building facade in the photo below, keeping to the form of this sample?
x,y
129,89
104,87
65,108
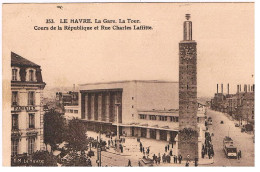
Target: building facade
x,y
147,108
188,136
26,106
239,105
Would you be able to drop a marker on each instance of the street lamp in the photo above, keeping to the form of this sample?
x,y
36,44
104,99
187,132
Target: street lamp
x,y
117,125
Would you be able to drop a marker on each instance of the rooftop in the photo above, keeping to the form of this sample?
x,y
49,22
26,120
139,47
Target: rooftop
x,y
124,81
17,60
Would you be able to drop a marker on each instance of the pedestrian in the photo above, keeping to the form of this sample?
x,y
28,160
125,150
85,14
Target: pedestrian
x,y
240,153
154,157
165,148
139,163
180,159
163,158
148,150
129,163
187,164
143,150
122,149
168,147
172,144
108,142
159,159
196,162
171,152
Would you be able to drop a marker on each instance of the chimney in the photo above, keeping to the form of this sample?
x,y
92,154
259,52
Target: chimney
x,y
253,87
237,88
248,88
217,88
222,88
228,88
245,88
187,29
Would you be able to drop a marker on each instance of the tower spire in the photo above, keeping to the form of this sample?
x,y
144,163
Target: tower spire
x,y
187,29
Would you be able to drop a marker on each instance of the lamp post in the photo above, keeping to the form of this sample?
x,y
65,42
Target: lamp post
x,y
117,125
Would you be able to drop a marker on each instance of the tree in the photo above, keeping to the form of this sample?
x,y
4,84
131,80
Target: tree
x,y
54,128
43,158
76,135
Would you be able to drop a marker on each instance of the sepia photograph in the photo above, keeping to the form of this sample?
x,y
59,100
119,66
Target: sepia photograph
x,y
128,84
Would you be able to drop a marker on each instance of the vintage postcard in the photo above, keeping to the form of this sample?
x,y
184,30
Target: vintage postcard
x,y
128,84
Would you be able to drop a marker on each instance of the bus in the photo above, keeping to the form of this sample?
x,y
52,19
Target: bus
x,y
228,147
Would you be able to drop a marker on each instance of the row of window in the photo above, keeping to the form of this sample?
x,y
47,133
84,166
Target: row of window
x,y
31,98
15,146
15,75
71,111
159,117
15,121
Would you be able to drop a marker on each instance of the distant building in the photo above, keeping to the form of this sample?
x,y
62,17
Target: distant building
x,y
71,112
239,105
26,106
67,99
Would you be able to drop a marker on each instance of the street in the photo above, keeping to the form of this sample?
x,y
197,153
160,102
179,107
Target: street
x,y
243,141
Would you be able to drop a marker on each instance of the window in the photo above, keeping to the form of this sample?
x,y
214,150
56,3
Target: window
x,y
152,117
14,98
31,120
15,122
177,119
30,145
31,78
76,111
132,98
31,98
14,74
163,118
141,116
173,119
71,110
14,147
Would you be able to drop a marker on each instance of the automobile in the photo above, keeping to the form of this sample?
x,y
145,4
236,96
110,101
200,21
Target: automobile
x,y
221,122
145,162
91,153
236,125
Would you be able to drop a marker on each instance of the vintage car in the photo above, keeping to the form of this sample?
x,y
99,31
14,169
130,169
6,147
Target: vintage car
x,y
147,162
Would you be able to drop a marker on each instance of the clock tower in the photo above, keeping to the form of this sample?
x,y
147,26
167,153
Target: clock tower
x,y
188,131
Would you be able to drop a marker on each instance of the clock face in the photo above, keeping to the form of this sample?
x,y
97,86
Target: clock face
x,y
188,52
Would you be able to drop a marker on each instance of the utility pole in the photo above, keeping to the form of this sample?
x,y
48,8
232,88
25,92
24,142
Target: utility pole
x,y
117,135
99,150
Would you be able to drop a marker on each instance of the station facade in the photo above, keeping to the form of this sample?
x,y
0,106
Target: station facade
x,y
146,108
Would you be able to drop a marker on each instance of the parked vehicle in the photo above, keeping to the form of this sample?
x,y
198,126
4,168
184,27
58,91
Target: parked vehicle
x,y
228,147
209,121
236,125
146,162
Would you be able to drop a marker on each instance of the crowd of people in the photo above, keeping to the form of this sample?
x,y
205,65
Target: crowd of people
x,y
207,147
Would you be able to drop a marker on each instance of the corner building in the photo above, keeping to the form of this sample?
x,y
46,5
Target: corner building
x,y
26,106
188,135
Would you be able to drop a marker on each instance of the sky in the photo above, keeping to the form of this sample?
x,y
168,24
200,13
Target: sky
x,y
224,33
